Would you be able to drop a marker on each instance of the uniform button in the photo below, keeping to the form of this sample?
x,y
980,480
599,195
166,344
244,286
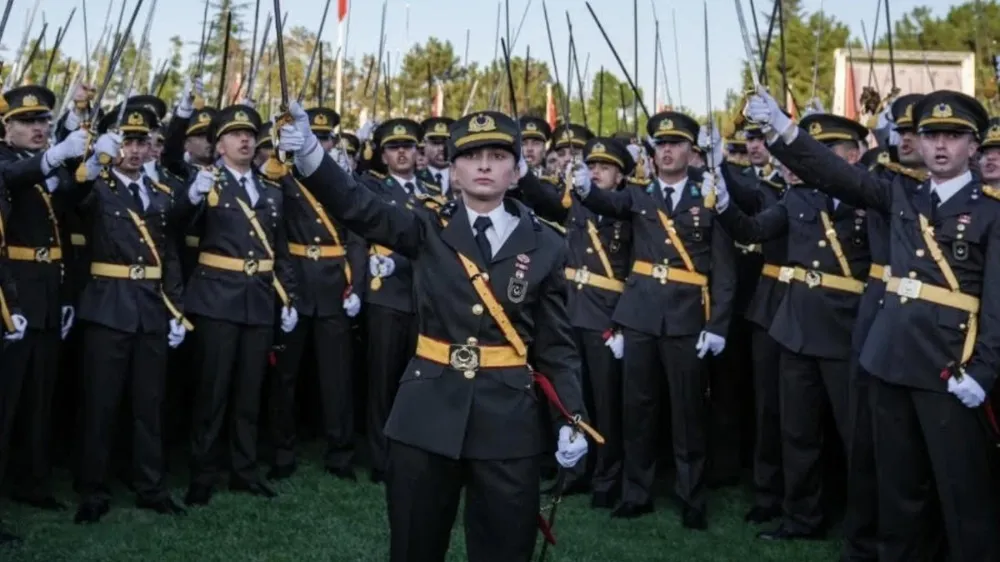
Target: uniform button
x,y
316,239
920,253
590,250
140,259
251,234
250,254
801,215
815,263
416,373
472,341
477,309
960,227
961,326
319,221
902,300
668,242
822,243
912,274
470,375
486,276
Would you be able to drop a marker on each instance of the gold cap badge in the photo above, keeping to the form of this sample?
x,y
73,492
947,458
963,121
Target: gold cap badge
x,y
815,129
441,128
482,123
321,120
942,111
135,119
241,117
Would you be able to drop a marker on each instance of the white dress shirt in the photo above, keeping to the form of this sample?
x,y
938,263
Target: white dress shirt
x,y
402,183
443,182
675,197
127,181
503,225
947,189
251,184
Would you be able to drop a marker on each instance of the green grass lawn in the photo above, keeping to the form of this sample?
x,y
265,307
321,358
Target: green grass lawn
x,y
317,517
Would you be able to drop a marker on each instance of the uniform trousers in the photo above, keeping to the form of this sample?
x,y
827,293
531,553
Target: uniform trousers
x,y
116,363
648,361
768,481
392,341
332,344
933,465
232,360
603,374
423,491
861,520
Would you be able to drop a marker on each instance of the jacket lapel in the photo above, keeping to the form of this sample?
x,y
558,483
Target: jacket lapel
x,y
458,235
522,239
961,202
691,197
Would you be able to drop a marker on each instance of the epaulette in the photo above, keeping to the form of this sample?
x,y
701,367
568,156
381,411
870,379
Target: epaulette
x,y
745,162
773,184
554,180
161,187
991,192
448,209
376,175
431,186
270,182
918,175
554,226
641,182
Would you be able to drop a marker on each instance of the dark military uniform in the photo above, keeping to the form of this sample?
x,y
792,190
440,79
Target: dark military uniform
x,y
752,195
538,129
681,283
939,307
329,266
389,312
466,414
599,258
8,307
243,276
827,264
436,180
35,249
133,291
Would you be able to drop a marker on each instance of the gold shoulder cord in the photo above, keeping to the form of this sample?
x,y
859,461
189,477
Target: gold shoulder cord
x,y
668,225
494,307
267,247
321,213
5,315
144,232
599,248
949,276
831,237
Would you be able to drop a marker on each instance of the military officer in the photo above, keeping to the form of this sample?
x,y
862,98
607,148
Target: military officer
x,y
568,142
243,276
35,247
489,282
989,159
535,134
131,305
329,264
599,257
265,146
675,309
389,316
435,135
933,348
324,122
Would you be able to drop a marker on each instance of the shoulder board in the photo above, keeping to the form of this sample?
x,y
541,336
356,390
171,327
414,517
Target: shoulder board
x,y
161,187
554,226
991,192
909,172
376,175
269,182
745,162
551,179
641,182
431,186
448,209
773,184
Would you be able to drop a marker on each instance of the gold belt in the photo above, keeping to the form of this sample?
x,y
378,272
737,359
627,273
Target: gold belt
x,y
583,276
813,279
880,272
468,357
192,241
78,239
664,273
249,266
913,289
40,255
315,251
132,272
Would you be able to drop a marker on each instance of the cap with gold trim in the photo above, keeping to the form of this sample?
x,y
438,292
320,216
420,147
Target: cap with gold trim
x,y
609,150
671,126
199,121
322,121
535,128
27,102
945,110
436,128
158,106
137,121
574,135
992,137
397,132
902,111
264,137
484,129
234,118
350,142
826,127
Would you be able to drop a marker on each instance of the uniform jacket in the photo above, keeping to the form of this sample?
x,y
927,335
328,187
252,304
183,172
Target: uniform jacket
x,y
35,222
396,290
224,230
590,308
812,321
671,309
7,284
912,340
322,282
134,306
495,414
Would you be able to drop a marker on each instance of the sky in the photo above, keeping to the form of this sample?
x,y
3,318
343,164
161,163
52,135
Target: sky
x,y
412,21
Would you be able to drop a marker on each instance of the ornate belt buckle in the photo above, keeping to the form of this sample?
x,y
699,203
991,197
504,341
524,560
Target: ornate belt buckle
x,y
909,288
313,252
250,267
582,276
43,255
660,272
813,278
786,274
465,358
136,273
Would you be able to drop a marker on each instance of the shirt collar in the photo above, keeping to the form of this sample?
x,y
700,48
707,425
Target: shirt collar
x,y
127,181
498,216
947,189
402,182
678,187
238,176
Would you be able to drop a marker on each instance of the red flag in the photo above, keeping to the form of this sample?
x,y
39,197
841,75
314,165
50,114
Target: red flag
x,y
341,10
550,107
850,93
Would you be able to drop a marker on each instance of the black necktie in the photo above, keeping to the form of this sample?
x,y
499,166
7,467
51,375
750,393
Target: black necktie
x,y
668,197
437,177
480,225
246,189
935,201
133,188
409,187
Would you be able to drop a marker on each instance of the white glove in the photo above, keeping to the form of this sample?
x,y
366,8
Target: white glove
x,y
635,150
763,109
884,118
52,183
73,146
711,143
708,341
201,185
352,305
366,130
72,121
582,176
342,159
185,106
301,118
290,139
572,447
967,390
177,333
814,106
110,144
20,325
289,318
68,315
894,138
714,181
381,266
616,343
522,167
